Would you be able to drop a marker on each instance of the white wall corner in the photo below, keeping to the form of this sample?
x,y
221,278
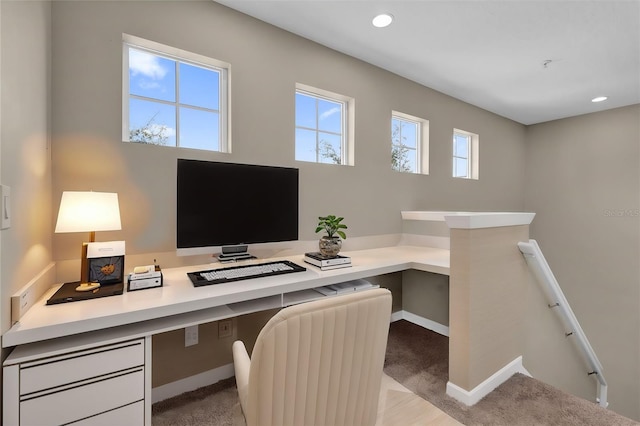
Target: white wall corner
x,y
471,397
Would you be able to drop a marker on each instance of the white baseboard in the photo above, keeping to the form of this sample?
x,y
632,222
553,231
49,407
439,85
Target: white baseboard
x,y
178,387
396,316
422,322
426,323
483,389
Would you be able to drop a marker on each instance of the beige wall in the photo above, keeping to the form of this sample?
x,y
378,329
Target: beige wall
x,y
393,282
488,283
172,361
266,63
427,295
583,182
25,151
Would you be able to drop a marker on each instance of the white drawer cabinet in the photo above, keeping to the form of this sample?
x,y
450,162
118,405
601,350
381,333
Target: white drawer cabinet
x,y
132,414
92,386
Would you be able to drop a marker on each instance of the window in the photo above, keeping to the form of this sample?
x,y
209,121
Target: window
x,y
173,97
409,143
465,154
323,126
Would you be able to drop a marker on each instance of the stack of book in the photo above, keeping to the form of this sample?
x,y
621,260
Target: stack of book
x,y
325,263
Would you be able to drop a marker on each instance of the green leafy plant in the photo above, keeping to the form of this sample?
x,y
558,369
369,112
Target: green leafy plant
x,y
332,226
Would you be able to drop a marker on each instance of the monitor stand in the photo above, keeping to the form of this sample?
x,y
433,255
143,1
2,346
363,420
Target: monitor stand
x,y
235,252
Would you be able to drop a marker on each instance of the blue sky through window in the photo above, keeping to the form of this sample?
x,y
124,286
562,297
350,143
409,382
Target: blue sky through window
x,y
404,144
173,103
461,145
319,129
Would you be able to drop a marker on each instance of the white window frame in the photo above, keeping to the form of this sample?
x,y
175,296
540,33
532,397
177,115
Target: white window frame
x,y
473,154
179,55
422,143
347,120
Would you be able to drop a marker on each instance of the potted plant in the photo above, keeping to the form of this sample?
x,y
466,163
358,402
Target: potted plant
x,y
331,243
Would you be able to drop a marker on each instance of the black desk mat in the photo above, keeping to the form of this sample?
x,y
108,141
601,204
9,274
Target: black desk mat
x,y
68,293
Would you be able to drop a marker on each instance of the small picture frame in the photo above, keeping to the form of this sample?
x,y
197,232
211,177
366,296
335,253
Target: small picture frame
x,y
106,270
106,262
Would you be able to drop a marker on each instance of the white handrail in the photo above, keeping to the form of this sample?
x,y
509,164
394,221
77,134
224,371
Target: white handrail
x,y
537,262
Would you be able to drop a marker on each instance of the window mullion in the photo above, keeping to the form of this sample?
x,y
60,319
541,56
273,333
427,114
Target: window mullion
x,y
221,125
314,130
177,103
144,98
418,148
468,156
317,125
343,129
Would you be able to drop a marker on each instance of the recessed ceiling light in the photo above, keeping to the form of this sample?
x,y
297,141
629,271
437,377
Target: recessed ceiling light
x,y
382,20
599,99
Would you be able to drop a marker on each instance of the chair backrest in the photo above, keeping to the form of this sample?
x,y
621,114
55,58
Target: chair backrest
x,y
320,363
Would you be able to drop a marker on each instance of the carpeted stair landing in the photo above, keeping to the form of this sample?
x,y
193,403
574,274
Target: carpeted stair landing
x,y
418,359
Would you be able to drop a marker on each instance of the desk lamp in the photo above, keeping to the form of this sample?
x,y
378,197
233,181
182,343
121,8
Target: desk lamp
x,y
83,211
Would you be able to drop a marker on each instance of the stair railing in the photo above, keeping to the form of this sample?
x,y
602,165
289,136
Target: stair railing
x,y
538,264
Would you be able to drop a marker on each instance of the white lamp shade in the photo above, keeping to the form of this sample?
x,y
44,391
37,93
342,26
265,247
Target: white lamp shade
x,y
82,211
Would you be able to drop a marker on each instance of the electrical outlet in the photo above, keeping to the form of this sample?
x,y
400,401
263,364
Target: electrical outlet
x,y
225,329
191,336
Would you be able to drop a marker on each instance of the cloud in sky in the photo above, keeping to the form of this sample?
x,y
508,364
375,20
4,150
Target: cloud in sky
x,y
146,64
149,85
329,113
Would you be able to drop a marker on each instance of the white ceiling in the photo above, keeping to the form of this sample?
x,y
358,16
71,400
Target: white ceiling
x,y
489,53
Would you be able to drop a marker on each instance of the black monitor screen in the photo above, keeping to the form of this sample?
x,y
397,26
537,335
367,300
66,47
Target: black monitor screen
x,y
225,203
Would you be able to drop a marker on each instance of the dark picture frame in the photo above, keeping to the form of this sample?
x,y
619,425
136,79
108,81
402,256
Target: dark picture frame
x,y
106,270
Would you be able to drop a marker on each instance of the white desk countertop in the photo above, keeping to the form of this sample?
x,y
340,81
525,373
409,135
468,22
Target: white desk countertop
x,y
178,302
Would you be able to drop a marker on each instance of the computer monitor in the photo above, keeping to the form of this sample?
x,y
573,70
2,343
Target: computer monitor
x,y
225,204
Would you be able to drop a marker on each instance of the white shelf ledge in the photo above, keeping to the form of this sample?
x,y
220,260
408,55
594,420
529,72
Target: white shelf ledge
x,y
471,220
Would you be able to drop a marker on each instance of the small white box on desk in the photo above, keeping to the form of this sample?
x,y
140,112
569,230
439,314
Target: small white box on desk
x,y
144,277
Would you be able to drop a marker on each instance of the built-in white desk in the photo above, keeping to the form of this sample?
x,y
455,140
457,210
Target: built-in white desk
x,y
102,347
97,328
178,297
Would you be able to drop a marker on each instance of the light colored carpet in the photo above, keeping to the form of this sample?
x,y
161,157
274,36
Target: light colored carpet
x,y
216,404
418,360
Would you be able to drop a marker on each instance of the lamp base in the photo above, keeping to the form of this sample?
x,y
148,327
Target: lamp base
x,y
88,286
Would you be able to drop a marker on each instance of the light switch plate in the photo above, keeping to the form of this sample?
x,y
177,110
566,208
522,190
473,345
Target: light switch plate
x,y
5,206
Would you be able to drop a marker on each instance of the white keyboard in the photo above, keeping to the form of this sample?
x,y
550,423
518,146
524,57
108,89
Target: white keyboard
x,y
245,271
235,273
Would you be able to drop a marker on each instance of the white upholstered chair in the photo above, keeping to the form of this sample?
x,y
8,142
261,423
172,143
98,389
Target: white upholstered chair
x,y
317,363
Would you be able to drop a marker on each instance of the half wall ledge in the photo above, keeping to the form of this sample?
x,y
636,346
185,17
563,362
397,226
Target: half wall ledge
x,y
472,220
